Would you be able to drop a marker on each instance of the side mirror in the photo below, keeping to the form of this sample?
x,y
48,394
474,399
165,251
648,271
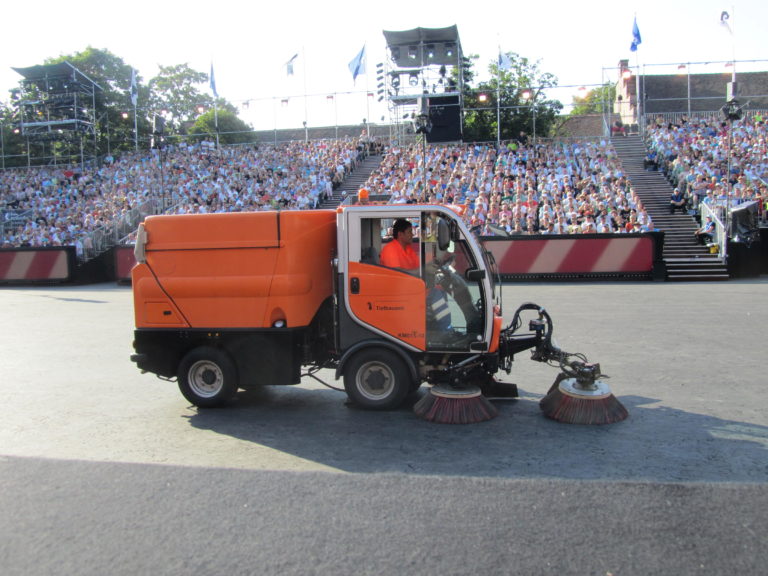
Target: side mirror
x,y
475,275
139,250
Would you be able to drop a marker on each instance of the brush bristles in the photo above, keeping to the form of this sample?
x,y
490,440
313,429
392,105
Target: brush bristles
x,y
455,410
582,410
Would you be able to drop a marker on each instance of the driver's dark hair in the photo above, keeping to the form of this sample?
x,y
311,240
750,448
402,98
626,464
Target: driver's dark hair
x,y
400,225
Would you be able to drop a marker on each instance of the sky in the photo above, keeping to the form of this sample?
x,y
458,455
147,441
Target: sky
x,y
248,44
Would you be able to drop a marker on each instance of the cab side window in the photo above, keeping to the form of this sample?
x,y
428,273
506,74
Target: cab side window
x,y
370,240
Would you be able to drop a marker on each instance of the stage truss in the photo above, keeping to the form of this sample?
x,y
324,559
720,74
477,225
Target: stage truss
x,y
58,109
424,70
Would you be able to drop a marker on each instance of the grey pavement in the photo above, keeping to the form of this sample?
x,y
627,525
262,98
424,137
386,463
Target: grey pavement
x,y
106,470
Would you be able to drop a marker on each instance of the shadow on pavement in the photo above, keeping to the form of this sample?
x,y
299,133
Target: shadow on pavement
x,y
657,443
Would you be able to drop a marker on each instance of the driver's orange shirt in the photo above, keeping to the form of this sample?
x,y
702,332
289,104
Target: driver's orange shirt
x,y
394,255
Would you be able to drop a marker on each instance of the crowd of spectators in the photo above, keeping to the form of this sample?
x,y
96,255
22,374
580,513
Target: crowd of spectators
x,y
519,188
549,188
693,154
53,206
569,187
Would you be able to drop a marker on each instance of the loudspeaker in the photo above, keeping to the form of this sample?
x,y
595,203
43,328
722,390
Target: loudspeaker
x,y
745,223
423,104
731,91
445,117
158,125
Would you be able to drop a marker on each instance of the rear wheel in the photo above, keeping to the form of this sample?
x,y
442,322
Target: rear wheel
x,y
377,379
207,377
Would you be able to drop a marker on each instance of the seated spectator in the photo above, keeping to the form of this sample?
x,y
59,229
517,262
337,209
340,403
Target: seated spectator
x,y
618,128
678,201
650,163
705,234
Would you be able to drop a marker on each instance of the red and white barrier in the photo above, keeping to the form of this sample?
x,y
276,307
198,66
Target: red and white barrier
x,y
124,261
568,255
37,265
521,257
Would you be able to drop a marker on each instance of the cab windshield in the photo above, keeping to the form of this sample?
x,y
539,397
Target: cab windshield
x,y
453,286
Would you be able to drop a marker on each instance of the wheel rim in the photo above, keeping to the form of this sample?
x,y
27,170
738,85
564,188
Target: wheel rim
x,y
375,380
205,378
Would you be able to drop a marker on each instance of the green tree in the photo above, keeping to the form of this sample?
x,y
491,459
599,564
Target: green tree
x,y
518,92
178,92
175,93
231,129
13,145
596,101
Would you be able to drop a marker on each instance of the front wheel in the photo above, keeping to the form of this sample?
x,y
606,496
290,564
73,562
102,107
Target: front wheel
x,y
207,377
377,379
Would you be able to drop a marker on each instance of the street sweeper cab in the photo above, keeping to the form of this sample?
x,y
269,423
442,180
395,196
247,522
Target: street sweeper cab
x,y
240,300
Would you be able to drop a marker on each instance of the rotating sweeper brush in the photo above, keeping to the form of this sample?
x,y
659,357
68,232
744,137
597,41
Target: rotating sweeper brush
x,y
579,397
579,394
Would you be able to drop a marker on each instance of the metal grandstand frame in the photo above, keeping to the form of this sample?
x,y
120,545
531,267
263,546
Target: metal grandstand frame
x,y
420,66
58,107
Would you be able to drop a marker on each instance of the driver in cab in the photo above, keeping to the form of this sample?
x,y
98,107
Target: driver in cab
x,y
399,252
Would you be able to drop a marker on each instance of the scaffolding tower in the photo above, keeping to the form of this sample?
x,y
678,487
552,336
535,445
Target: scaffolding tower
x,y
422,81
58,110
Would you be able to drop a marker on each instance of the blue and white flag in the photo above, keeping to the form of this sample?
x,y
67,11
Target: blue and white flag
x,y
636,40
357,66
505,62
134,88
724,17
213,83
289,64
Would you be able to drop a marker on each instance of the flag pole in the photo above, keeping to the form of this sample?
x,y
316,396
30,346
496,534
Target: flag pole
x,y
733,49
367,98
216,121
306,116
212,80
135,130
640,103
636,41
498,100
134,101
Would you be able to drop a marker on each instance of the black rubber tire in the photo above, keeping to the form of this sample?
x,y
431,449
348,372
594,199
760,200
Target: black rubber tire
x,y
377,379
207,377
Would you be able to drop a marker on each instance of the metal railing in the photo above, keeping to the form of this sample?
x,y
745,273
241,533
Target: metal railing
x,y
118,232
679,117
720,237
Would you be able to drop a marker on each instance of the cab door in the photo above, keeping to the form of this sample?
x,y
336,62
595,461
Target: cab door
x,y
388,301
439,307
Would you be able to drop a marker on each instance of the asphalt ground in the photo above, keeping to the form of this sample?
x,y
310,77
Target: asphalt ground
x,y
107,471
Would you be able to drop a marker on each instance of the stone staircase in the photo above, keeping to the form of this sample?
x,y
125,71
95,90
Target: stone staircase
x,y
353,182
685,259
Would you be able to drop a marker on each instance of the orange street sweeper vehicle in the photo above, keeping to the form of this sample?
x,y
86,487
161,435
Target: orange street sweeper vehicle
x,y
239,300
